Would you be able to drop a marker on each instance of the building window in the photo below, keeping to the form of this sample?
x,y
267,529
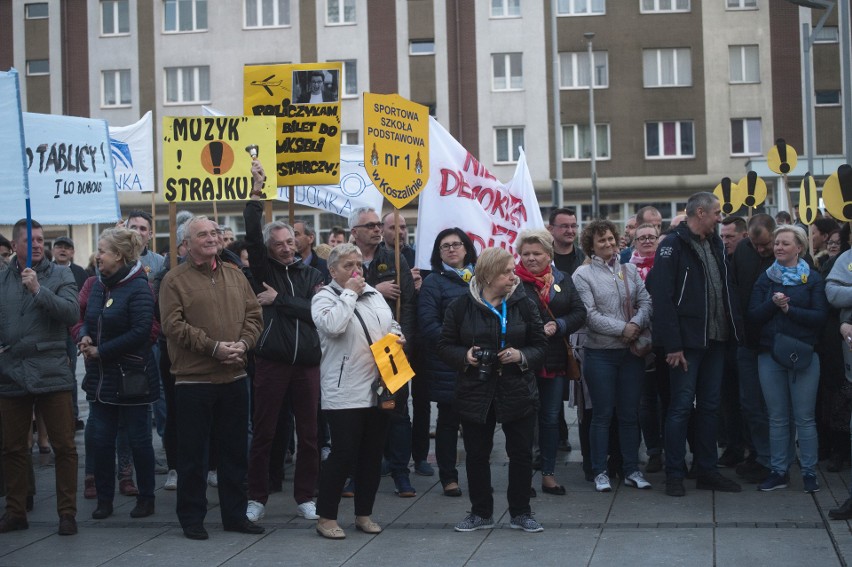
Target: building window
x,y
38,67
349,137
828,34
669,140
505,8
580,7
421,47
577,142
349,78
745,63
185,15
340,12
115,88
654,6
115,17
742,4
36,11
507,72
574,70
828,98
745,137
667,67
187,85
267,13
506,143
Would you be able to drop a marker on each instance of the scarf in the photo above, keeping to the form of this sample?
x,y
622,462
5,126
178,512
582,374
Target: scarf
x,y
120,274
643,265
464,273
542,281
795,275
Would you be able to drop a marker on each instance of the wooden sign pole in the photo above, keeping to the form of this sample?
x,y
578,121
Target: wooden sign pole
x,y
173,243
291,205
216,213
153,222
396,261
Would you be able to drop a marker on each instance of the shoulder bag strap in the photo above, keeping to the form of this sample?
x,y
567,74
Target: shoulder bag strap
x,y
628,300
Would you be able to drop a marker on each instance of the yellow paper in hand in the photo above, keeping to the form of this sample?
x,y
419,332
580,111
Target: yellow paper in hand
x,y
392,363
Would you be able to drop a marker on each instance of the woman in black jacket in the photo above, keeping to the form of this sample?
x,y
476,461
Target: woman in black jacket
x,y
116,343
494,338
562,312
453,257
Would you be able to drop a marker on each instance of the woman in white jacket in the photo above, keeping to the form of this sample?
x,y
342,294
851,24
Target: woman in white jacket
x,y
348,373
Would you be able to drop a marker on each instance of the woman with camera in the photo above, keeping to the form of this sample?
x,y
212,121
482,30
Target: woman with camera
x,y
453,257
789,301
494,338
121,381
350,315
562,312
618,310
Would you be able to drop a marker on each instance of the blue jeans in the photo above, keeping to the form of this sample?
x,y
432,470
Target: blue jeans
x,y
701,384
783,388
103,423
550,396
614,378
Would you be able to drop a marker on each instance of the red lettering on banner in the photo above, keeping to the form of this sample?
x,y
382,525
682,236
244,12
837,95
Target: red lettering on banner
x,y
446,177
494,201
478,169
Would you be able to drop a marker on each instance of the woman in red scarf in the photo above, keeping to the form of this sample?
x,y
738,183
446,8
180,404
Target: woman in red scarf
x,y
562,312
654,400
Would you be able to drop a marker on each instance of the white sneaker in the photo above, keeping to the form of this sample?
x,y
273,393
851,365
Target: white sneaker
x,y
212,479
255,511
636,480
308,510
171,480
602,483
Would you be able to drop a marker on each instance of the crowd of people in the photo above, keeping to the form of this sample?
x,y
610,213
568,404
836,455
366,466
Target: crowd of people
x,y
250,350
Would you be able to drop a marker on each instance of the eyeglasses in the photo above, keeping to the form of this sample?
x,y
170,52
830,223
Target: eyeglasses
x,y
370,225
647,238
447,246
833,243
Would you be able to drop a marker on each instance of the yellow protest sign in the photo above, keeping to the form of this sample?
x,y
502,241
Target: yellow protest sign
x,y
808,200
205,158
837,193
305,100
393,365
396,146
753,189
781,159
730,196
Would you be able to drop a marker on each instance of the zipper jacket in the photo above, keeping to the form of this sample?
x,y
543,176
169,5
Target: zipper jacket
x,y
678,287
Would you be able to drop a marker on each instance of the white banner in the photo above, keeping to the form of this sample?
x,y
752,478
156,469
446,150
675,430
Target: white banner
x,y
462,193
355,190
13,172
133,155
70,172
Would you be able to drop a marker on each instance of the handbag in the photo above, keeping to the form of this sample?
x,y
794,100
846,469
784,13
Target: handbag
x,y
572,369
133,383
791,353
385,400
643,344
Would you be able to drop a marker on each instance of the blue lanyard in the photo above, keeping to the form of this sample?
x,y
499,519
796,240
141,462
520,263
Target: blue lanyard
x,y
502,321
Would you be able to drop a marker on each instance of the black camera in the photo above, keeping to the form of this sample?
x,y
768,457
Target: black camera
x,y
486,359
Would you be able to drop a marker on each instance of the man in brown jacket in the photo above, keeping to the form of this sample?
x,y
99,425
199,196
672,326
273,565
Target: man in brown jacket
x,y
211,318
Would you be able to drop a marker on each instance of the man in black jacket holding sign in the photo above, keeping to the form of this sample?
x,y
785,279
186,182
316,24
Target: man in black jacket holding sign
x,y
287,355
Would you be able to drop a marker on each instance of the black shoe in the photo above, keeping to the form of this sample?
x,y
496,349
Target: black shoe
x,y
104,510
674,487
842,513
67,525
655,463
11,524
558,490
143,509
195,532
715,481
246,527
731,458
756,474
